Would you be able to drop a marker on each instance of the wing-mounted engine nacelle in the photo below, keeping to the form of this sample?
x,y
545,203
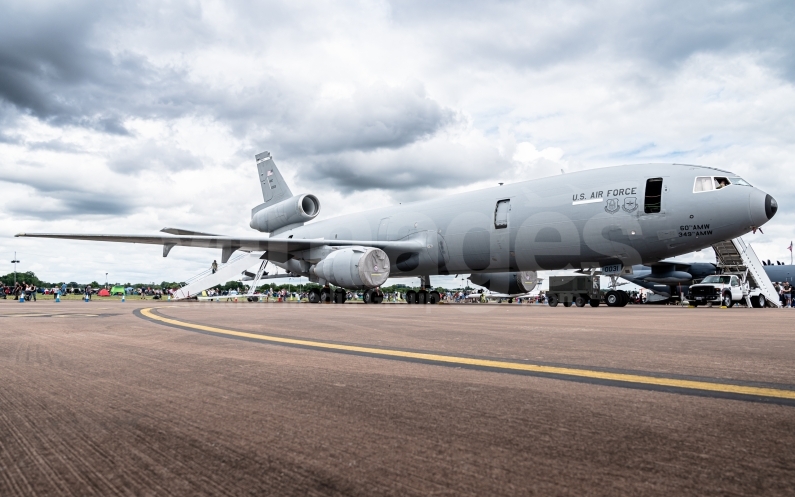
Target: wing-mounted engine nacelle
x,y
507,283
354,267
294,210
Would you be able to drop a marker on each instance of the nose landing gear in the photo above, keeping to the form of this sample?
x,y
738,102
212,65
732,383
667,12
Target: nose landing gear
x,y
616,298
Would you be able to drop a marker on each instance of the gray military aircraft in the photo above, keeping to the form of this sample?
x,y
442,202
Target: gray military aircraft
x,y
611,217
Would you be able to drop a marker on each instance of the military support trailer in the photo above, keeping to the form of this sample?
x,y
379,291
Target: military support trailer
x,y
580,290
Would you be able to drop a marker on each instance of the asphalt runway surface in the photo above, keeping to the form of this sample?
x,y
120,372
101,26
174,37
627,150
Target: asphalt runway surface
x,y
108,398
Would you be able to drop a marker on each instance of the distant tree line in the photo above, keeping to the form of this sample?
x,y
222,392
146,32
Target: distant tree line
x,y
28,278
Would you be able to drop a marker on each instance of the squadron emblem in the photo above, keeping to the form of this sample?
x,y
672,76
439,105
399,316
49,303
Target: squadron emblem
x,y
612,205
630,204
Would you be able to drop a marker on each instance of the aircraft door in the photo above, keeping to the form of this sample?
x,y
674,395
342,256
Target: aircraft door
x,y
653,197
500,240
501,214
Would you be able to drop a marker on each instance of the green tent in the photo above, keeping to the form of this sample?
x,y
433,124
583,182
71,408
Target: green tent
x,y
117,290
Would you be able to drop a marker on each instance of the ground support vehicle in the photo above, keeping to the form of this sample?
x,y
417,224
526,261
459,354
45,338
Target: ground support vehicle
x,y
579,290
725,290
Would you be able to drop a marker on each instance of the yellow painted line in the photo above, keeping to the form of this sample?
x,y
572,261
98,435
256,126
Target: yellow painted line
x,y
487,363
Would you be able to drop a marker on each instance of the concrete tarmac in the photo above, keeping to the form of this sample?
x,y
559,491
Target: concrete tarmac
x,y
107,398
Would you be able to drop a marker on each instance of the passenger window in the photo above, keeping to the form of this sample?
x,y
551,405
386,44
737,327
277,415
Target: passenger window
x,y
703,184
735,281
721,183
501,214
653,200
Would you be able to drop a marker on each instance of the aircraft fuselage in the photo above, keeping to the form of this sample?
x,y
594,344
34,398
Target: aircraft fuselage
x,y
621,215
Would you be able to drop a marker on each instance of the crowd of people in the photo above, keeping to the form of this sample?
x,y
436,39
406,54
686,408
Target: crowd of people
x,y
22,289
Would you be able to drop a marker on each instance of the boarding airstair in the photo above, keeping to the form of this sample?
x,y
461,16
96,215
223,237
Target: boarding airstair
x,y
232,270
738,257
252,284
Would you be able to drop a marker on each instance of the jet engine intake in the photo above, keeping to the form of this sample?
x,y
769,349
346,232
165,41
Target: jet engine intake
x,y
354,267
294,210
507,283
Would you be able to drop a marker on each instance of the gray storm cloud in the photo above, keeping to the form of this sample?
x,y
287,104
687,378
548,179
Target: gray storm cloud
x,y
111,109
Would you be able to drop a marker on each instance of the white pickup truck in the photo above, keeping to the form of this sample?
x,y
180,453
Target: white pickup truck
x,y
725,290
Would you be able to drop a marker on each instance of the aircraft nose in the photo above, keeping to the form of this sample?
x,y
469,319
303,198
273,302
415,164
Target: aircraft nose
x,y
771,206
762,206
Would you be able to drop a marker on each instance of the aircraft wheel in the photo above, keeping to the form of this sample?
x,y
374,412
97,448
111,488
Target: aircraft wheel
x,y
552,301
727,300
314,296
579,301
566,304
510,301
434,297
377,299
411,297
325,295
613,299
422,297
594,302
624,298
367,297
339,297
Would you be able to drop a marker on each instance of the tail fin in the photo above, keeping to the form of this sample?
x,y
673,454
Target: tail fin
x,y
274,188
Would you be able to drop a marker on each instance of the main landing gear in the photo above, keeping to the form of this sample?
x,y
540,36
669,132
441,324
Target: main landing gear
x,y
372,297
424,296
325,295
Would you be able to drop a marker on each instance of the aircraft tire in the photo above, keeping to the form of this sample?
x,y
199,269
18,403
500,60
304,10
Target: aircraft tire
x,y
594,302
727,300
579,301
367,297
325,295
566,304
314,296
377,299
411,297
434,297
422,297
339,297
552,301
612,299
624,298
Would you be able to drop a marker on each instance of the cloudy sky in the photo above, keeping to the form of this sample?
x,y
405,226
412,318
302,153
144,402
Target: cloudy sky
x,y
131,117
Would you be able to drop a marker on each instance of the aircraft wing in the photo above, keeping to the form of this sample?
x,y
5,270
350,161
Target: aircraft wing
x,y
230,244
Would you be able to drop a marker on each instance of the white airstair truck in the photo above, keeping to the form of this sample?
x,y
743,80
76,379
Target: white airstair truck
x,y
737,263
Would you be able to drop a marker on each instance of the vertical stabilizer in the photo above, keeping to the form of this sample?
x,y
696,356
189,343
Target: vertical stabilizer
x,y
274,189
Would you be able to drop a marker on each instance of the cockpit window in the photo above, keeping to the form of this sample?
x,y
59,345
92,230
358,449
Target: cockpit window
x,y
703,184
710,183
739,181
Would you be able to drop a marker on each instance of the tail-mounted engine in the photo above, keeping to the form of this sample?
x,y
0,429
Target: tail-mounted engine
x,y
507,283
354,267
294,210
